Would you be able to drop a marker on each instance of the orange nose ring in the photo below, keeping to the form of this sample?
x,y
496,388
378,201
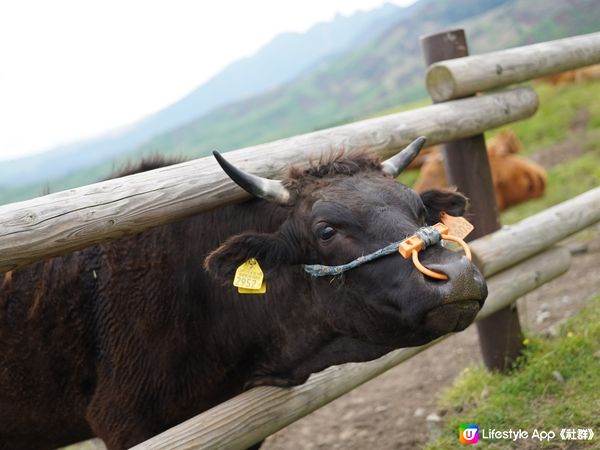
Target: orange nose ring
x,y
411,246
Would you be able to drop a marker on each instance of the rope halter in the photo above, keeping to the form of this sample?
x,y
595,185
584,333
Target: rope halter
x,y
410,247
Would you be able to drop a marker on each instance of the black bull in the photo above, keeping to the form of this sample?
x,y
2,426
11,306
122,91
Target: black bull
x,y
125,339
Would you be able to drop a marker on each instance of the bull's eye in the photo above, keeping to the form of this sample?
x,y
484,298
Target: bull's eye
x,y
326,233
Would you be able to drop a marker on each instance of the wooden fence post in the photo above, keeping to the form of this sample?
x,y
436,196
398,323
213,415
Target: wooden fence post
x,y
467,167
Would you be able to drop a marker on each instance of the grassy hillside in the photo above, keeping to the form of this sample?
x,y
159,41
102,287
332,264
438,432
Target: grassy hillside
x,y
384,72
563,135
531,397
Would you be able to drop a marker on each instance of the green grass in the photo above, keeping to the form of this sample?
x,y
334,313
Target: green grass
x,y
530,397
569,113
560,109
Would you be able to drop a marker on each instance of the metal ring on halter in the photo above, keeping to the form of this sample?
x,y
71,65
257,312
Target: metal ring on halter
x,y
437,275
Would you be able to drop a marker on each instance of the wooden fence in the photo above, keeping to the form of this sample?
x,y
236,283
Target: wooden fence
x,y
463,76
516,259
69,220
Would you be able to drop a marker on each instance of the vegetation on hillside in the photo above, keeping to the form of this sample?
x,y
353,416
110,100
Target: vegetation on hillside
x,y
566,129
381,73
565,132
287,56
554,385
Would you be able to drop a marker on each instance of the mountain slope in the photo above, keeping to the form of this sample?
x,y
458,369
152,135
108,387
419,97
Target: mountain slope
x,y
382,73
286,56
281,60
379,73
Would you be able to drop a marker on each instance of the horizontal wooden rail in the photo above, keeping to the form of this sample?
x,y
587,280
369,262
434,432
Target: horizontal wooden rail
x,y
69,220
460,77
252,416
514,243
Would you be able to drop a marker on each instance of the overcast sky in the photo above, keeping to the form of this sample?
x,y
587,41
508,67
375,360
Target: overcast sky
x,y
71,69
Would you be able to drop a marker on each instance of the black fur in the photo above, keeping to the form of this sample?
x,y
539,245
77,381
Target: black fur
x,y
125,339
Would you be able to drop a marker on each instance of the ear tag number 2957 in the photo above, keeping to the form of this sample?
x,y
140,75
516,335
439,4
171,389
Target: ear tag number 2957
x,y
249,278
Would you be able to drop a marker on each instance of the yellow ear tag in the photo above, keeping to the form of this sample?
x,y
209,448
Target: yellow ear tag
x,y
261,290
457,226
249,276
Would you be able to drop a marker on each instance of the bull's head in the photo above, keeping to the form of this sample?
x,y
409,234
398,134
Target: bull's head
x,y
352,206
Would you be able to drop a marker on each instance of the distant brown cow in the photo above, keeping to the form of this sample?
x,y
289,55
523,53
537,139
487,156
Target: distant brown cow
x,y
572,76
515,179
125,339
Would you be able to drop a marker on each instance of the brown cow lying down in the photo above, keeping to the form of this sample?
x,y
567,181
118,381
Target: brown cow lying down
x,y
504,142
515,179
128,338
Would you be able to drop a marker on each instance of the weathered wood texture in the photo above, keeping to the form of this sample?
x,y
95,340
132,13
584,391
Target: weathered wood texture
x,y
65,221
514,243
467,167
507,286
464,76
466,160
260,412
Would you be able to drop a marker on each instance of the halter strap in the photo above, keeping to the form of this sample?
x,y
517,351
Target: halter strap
x,y
429,236
424,237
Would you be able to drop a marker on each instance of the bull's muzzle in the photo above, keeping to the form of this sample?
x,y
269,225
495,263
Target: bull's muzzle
x,y
463,295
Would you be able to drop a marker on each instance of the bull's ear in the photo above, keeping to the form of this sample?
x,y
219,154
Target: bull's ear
x,y
447,200
270,250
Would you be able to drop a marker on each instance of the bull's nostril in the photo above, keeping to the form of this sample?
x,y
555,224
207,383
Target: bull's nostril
x,y
436,275
442,269
435,280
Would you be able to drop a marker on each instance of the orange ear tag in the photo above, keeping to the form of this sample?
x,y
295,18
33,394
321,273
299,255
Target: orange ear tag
x,y
457,226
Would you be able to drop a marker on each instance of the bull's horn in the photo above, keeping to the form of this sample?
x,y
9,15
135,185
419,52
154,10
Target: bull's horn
x,y
401,160
270,190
